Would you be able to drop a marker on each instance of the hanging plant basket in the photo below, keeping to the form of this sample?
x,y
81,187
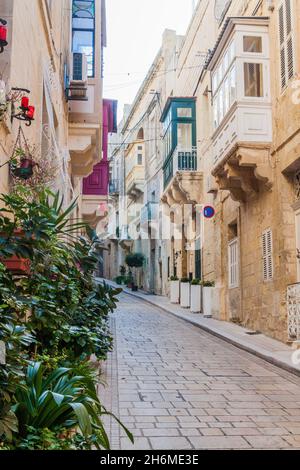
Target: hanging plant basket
x,y
21,162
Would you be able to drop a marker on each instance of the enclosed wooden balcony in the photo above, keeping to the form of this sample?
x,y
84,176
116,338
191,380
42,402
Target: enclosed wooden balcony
x,y
242,107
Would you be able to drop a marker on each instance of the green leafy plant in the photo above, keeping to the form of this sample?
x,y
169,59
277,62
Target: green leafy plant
x,y
58,316
208,283
119,280
174,278
122,270
196,282
61,401
185,280
135,260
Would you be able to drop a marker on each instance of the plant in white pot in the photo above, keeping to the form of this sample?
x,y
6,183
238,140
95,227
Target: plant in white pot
x,y
174,290
207,298
196,294
185,292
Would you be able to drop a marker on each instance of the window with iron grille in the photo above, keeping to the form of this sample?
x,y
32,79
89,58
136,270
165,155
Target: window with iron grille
x,y
286,42
267,253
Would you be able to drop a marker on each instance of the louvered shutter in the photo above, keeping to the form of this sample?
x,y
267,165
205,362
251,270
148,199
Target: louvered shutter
x,y
233,263
286,42
267,251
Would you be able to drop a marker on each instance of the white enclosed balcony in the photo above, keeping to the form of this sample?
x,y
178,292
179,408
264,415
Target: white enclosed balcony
x,y
242,107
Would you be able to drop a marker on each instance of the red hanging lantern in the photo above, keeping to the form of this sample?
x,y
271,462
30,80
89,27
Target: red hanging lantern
x,y
30,112
25,102
3,34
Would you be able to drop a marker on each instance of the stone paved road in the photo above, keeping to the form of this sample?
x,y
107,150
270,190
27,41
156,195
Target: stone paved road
x,y
178,387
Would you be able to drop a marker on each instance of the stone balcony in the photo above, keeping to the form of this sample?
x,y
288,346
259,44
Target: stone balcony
x,y
94,209
241,148
84,141
182,180
135,181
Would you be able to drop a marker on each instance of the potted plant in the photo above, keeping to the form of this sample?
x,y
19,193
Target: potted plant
x,y
129,279
122,270
207,298
135,260
196,291
13,263
22,164
174,290
185,292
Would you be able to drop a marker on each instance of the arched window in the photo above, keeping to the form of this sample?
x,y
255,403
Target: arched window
x,y
140,135
83,27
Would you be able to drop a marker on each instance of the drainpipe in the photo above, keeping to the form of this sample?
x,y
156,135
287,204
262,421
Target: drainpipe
x,y
240,257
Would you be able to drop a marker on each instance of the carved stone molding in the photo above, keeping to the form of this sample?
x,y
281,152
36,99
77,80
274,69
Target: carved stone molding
x,y
244,171
185,188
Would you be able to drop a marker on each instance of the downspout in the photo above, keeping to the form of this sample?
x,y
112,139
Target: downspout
x,y
240,263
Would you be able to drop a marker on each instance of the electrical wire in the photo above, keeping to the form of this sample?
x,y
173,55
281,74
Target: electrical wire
x,y
156,75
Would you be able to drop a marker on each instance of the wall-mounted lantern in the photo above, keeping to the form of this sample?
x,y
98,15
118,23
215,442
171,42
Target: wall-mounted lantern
x,y
27,111
3,35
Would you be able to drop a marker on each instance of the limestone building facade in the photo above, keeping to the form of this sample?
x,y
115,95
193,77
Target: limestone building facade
x,y
54,52
229,137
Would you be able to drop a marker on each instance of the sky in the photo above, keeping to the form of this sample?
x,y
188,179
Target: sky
x,y
134,34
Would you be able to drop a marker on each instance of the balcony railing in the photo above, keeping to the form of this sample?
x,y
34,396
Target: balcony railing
x,y
180,160
293,311
149,213
114,187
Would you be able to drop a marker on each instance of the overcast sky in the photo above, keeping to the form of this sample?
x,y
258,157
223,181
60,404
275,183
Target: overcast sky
x,y
134,32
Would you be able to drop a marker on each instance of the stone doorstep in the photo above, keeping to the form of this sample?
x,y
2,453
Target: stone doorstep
x,y
271,350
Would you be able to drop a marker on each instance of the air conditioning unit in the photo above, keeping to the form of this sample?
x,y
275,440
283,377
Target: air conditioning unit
x,y
78,82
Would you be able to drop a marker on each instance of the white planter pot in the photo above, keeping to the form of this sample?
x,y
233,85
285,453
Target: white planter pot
x,y
196,299
185,294
207,301
174,292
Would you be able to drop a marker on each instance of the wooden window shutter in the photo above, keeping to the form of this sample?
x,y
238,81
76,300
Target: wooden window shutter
x,y
233,263
267,252
286,42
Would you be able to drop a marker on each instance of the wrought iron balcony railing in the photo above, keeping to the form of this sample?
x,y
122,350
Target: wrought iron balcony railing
x,y
180,160
114,187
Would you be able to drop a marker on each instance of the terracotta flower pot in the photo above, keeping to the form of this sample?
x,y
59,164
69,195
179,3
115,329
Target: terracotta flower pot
x,y
14,264
17,265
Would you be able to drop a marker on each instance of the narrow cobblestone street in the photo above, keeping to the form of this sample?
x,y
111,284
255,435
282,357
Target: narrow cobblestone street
x,y
178,387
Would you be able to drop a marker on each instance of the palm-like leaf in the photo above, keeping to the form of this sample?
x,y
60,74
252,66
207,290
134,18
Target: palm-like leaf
x,y
60,400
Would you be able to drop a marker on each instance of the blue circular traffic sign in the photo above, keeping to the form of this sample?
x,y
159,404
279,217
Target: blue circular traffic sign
x,y
209,212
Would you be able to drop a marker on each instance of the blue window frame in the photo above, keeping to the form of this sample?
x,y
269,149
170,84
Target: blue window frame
x,y
83,31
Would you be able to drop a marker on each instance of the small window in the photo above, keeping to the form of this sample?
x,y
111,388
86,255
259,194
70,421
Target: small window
x,y
184,136
184,112
140,147
232,85
253,76
83,26
140,159
233,263
253,44
215,83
